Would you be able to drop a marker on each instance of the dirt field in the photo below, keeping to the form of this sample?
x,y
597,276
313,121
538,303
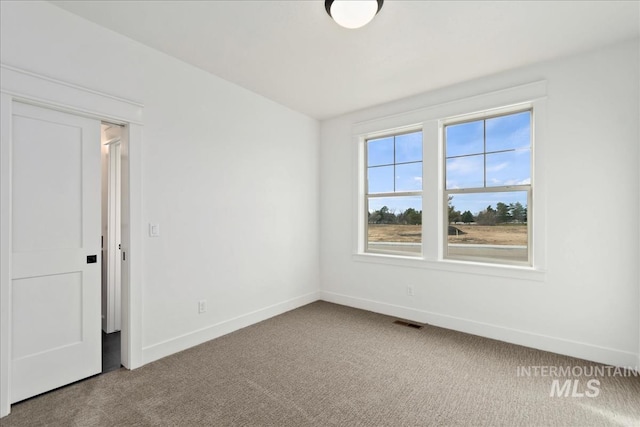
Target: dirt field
x,y
514,234
395,233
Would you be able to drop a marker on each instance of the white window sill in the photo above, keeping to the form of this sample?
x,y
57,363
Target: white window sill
x,y
454,266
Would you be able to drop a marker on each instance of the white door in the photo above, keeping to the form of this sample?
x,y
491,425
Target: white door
x,y
55,292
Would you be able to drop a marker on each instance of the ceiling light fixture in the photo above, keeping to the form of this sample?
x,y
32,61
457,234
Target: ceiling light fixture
x,y
352,13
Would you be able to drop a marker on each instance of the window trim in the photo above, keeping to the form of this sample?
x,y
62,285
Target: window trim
x,y
430,118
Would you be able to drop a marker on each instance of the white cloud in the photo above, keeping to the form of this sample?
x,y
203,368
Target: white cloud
x,y
465,165
498,167
525,181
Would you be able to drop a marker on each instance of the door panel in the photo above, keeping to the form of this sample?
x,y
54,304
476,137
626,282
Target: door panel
x,y
55,297
47,162
44,295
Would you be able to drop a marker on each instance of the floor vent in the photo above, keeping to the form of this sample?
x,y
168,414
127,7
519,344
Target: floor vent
x,y
407,324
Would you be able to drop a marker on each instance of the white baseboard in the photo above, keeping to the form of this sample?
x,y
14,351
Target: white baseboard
x,y
183,342
580,350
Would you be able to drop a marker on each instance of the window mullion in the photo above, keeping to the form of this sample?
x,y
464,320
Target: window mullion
x,y
394,164
498,189
484,150
395,194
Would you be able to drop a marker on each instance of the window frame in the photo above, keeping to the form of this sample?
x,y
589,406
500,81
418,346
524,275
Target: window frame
x,y
430,117
528,188
367,196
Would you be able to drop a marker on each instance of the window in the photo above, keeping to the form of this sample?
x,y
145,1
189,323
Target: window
x,y
487,195
393,194
456,186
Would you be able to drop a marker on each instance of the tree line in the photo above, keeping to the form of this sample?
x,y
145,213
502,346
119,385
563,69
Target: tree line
x,y
386,216
502,214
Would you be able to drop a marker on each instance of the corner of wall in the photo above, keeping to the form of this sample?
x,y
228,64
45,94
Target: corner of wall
x,y
192,339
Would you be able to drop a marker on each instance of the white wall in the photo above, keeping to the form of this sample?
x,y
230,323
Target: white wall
x,y
587,304
231,177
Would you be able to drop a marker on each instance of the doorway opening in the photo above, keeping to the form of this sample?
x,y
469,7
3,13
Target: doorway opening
x,y
110,140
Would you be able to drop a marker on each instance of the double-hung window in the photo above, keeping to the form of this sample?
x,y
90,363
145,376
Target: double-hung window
x,y
456,186
487,194
393,193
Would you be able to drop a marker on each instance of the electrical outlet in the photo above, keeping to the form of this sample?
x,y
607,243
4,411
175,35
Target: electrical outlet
x,y
202,306
410,290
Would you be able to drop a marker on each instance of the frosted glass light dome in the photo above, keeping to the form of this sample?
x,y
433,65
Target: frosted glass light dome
x,y
352,13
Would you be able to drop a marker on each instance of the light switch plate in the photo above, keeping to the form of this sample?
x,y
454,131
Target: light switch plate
x,y
154,230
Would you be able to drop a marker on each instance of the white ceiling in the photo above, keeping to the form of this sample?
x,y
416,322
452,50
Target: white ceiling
x,y
293,53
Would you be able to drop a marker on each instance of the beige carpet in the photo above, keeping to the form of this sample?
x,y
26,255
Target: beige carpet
x,y
329,365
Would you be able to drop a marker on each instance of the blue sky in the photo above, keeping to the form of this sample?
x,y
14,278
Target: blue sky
x,y
466,156
506,161
476,202
406,153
